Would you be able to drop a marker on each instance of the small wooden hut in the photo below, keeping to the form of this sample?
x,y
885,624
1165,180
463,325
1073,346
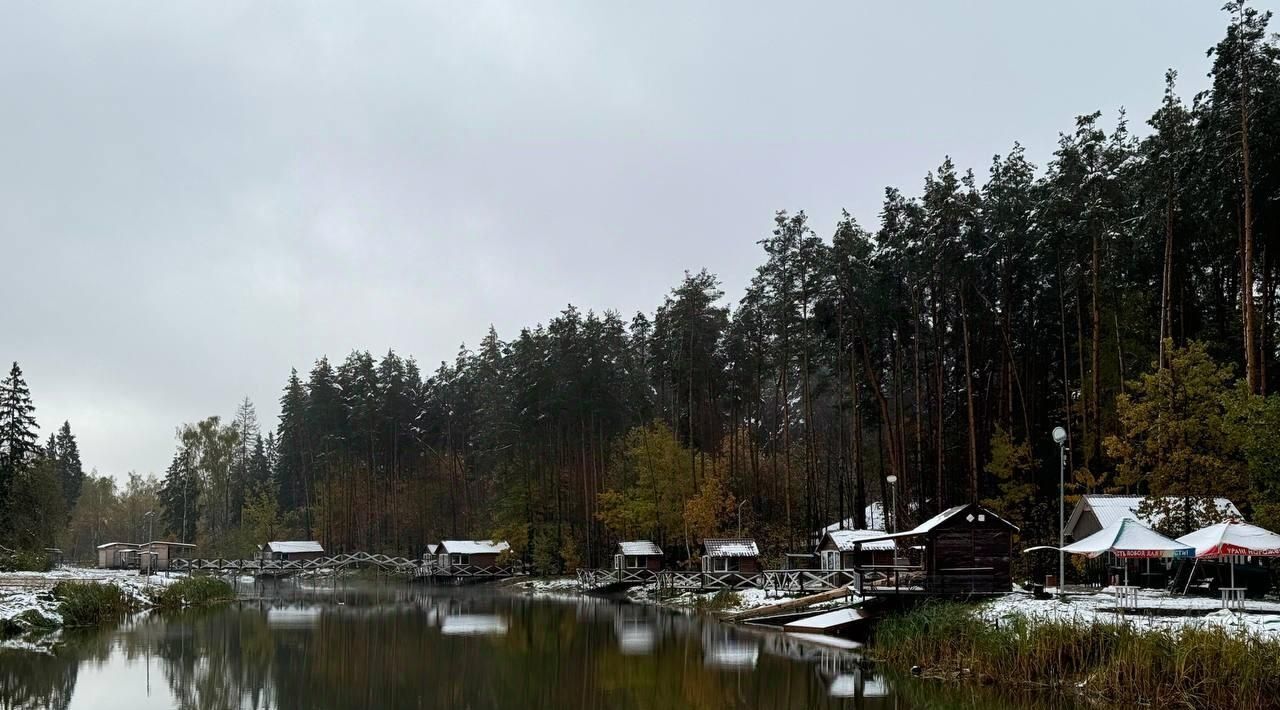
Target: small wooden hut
x,y
843,549
730,555
118,555
637,554
475,553
161,552
292,550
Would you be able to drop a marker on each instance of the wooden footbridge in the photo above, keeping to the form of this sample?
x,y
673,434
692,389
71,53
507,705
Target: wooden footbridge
x,y
778,581
429,570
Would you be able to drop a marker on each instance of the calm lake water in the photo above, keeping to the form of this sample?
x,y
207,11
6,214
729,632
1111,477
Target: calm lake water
x,y
395,645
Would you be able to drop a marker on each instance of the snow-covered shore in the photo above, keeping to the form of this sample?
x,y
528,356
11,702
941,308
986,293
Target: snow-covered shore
x,y
1156,611
22,593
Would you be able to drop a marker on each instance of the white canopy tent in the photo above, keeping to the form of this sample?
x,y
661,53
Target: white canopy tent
x,y
1126,539
1232,538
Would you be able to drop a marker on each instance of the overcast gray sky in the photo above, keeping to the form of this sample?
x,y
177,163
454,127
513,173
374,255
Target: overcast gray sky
x,y
195,197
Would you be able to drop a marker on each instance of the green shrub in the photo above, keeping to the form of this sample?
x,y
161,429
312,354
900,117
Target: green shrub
x,y
192,591
25,561
91,603
33,620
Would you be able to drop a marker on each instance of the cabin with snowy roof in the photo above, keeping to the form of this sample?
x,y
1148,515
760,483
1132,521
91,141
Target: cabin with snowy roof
x,y
845,549
473,553
1095,511
731,555
637,555
292,550
967,549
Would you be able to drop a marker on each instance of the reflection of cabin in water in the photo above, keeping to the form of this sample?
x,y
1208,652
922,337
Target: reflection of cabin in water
x,y
637,555
730,555
967,550
845,549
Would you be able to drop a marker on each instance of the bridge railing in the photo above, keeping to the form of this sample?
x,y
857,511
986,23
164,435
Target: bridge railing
x,y
708,581
593,578
809,580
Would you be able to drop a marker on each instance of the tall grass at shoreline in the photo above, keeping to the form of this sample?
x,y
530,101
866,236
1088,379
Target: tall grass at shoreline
x,y
1190,667
192,591
91,603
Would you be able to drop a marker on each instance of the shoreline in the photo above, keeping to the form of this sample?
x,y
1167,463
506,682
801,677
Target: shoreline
x,y
33,617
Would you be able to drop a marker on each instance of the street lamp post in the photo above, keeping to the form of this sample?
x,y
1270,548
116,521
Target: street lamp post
x,y
892,480
744,502
1060,438
151,521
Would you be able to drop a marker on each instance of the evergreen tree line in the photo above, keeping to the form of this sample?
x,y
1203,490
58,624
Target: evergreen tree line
x,y
39,485
1126,291
940,348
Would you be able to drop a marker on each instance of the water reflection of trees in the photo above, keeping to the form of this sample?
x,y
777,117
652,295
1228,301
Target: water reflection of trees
x,y
36,680
395,655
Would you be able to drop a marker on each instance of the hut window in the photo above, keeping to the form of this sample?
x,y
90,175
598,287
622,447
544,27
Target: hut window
x,y
724,564
633,561
459,559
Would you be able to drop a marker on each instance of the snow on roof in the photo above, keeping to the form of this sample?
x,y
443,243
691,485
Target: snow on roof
x,y
1111,508
473,547
639,547
979,513
105,545
845,540
170,543
292,546
431,549
1129,538
1233,538
731,548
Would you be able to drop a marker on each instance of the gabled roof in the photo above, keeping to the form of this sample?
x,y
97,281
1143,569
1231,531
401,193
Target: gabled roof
x,y
431,548
473,547
169,543
848,540
293,546
977,513
106,545
729,547
1109,509
639,547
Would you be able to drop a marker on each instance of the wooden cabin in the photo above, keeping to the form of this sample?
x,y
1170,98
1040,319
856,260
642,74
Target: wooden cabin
x,y
118,555
292,550
1095,511
160,553
843,549
637,554
430,554
967,549
731,555
474,553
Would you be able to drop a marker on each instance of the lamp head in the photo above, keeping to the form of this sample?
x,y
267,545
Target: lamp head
x,y
1059,435
892,479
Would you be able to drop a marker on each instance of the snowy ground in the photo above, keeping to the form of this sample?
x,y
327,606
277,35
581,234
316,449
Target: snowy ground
x,y
1156,610
21,592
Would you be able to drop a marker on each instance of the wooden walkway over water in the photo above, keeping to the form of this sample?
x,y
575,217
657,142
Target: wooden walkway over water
x,y
869,581
429,570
